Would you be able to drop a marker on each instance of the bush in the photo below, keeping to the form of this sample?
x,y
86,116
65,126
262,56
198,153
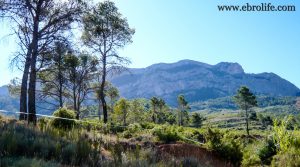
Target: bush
x,y
229,149
289,159
213,138
132,129
166,134
20,162
147,125
66,123
267,152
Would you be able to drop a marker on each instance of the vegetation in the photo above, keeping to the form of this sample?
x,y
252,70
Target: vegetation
x,y
245,100
132,132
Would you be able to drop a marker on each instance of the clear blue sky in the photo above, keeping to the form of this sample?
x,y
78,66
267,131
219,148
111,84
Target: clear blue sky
x,y
171,30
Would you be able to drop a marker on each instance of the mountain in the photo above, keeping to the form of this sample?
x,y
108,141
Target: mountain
x,y
197,81
4,91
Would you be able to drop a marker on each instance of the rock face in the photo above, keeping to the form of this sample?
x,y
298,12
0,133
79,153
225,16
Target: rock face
x,y
197,81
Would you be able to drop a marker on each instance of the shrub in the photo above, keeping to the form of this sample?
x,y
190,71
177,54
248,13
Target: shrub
x,y
132,129
20,162
66,123
166,134
229,149
42,122
267,151
68,154
213,138
289,159
147,125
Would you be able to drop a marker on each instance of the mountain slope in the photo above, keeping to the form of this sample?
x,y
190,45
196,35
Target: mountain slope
x,y
198,81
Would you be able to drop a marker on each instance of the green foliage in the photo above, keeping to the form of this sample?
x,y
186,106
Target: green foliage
x,y
131,130
213,139
147,125
21,141
290,159
265,120
228,102
63,123
166,134
267,151
121,110
183,107
245,100
253,116
282,136
228,149
138,111
21,162
197,120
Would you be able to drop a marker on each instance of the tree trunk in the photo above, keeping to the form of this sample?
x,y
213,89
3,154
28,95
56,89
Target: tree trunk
x,y
31,93
102,95
61,82
24,85
99,109
124,118
32,79
74,97
247,123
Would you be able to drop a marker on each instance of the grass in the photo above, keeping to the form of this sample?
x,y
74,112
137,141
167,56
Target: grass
x,y
144,144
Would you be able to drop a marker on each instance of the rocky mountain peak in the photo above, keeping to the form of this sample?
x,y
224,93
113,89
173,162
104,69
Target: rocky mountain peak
x,y
230,68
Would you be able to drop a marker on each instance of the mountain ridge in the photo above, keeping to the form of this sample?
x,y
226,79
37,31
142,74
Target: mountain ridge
x,y
198,81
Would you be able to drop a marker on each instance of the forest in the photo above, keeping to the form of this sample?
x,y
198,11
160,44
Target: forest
x,y
68,52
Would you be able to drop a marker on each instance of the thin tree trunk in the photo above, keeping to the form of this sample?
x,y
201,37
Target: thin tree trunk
x,y
74,97
102,95
124,118
24,85
60,78
247,123
99,109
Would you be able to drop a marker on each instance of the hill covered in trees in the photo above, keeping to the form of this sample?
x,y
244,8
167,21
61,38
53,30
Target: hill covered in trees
x,y
197,81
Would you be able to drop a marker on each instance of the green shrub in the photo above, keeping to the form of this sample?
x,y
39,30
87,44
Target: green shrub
x,y
147,125
42,122
229,149
267,151
250,158
131,130
66,123
21,162
83,150
166,134
68,154
288,159
213,139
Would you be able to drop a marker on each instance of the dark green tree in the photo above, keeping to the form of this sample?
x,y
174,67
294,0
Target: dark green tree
x,y
105,31
53,76
81,73
183,108
154,102
197,120
137,110
36,24
113,94
245,100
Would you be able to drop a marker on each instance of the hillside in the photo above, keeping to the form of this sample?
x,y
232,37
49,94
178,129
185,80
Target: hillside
x,y
198,81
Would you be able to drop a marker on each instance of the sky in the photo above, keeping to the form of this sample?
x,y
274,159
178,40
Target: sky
x,y
171,30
